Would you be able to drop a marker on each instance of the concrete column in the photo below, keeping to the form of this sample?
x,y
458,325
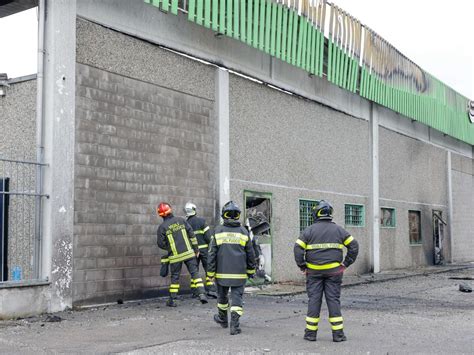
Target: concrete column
x,y
450,206
375,191
59,125
222,104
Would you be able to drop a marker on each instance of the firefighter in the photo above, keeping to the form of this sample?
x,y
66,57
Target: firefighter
x,y
203,236
177,238
318,253
231,261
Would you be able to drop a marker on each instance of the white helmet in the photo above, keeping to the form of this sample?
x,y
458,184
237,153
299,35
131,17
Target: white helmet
x,y
190,209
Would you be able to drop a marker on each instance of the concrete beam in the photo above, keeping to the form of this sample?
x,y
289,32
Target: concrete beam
x,y
59,126
375,190
222,111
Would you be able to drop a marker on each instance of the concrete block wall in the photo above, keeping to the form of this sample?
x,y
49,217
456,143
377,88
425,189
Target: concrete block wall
x,y
463,207
413,176
297,149
145,133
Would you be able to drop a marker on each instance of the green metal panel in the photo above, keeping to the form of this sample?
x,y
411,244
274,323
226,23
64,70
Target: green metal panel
x,y
321,53
311,47
273,32
236,30
294,40
256,16
284,32
268,22
300,47
207,13
250,37
243,18
165,5
155,2
261,25
215,15
174,7
330,65
317,52
229,16
278,31
199,10
289,44
222,16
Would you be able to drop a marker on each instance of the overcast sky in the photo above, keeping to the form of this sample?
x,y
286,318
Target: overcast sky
x,y
437,35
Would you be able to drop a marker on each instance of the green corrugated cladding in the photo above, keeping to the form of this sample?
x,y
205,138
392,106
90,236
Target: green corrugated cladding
x,y
280,32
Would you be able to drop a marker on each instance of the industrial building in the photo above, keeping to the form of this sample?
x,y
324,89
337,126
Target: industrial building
x,y
273,104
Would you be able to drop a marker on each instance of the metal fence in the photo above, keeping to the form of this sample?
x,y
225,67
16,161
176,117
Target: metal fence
x,y
20,222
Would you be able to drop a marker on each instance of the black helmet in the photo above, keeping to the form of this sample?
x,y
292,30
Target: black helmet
x,y
231,211
322,210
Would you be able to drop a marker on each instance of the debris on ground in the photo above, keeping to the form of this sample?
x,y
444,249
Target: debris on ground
x,y
53,319
465,288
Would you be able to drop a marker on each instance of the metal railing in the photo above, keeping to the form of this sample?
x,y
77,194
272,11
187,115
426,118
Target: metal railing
x,y
20,220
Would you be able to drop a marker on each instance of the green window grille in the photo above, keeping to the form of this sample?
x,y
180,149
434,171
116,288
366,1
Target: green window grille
x,y
306,216
354,215
387,217
414,227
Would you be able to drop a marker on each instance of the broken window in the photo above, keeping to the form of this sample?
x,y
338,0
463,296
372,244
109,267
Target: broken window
x,y
414,227
387,217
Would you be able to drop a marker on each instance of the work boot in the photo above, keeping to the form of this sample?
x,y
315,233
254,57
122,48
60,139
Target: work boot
x,y
234,324
203,298
195,293
171,302
310,335
338,336
211,294
221,318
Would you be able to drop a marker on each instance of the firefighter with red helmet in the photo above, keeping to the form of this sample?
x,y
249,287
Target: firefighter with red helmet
x,y
203,236
318,253
231,261
177,238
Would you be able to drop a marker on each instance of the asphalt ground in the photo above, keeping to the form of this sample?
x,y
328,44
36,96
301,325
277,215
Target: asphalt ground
x,y
419,314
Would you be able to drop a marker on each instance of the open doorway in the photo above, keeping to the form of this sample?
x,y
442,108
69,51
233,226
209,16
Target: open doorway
x,y
438,237
258,219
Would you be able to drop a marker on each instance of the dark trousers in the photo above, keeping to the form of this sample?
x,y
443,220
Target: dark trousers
x,y
196,281
330,286
236,295
202,259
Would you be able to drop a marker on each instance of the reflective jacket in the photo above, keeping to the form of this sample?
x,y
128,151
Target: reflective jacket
x,y
231,256
177,237
201,231
319,248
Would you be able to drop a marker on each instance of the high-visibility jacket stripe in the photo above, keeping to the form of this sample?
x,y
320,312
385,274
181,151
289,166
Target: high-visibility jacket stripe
x,y
172,244
323,267
231,276
335,319
301,243
348,240
231,238
203,246
186,240
324,246
181,257
312,319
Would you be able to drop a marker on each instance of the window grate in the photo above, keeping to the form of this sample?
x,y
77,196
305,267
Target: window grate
x,y
387,217
306,215
354,215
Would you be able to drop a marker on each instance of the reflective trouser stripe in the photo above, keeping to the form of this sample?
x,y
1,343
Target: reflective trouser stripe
x,y
196,283
222,306
174,288
337,327
311,327
208,281
312,319
335,319
237,310
322,267
203,246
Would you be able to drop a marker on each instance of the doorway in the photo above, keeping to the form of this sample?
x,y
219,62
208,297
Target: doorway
x,y
438,237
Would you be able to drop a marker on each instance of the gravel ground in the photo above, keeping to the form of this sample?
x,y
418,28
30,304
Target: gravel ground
x,y
421,314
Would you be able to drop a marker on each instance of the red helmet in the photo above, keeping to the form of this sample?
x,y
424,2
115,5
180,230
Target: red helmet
x,y
163,209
